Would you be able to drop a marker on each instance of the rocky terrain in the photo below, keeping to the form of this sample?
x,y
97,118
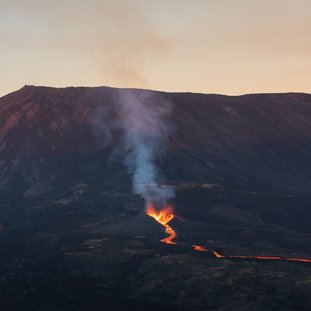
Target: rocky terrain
x,y
73,236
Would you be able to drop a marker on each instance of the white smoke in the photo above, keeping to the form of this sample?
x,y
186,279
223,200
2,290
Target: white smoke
x,y
144,120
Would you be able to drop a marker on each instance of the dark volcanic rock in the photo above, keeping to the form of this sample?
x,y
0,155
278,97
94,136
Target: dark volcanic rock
x,y
251,141
140,225
37,190
74,237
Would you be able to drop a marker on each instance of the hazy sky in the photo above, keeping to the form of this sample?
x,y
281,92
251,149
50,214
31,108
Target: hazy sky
x,y
209,46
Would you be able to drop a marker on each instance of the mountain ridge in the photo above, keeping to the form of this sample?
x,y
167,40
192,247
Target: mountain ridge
x,y
262,141
153,90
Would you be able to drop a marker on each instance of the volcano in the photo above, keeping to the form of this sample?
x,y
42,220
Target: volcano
x,y
73,235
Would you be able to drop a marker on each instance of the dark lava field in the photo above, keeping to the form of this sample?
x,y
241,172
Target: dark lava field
x,y
74,236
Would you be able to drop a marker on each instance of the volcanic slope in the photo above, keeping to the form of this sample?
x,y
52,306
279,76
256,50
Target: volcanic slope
x,y
73,236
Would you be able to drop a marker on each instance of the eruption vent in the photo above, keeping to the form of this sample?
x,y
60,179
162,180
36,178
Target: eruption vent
x,y
163,216
144,118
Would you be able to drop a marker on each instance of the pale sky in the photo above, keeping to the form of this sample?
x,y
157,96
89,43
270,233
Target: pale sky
x,y
207,46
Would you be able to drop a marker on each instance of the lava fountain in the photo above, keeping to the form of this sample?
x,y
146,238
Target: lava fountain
x,y
163,216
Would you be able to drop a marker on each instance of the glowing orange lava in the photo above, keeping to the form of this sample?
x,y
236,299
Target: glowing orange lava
x,y
199,248
166,214
218,255
271,258
163,216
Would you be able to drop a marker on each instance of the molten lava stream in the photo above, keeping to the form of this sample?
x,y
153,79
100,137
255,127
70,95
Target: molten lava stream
x,y
166,214
163,216
278,258
271,258
199,248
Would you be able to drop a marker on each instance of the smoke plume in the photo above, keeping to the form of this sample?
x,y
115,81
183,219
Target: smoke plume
x,y
144,121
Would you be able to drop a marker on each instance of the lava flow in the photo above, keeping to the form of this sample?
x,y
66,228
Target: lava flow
x,y
270,258
199,248
218,256
166,214
163,216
